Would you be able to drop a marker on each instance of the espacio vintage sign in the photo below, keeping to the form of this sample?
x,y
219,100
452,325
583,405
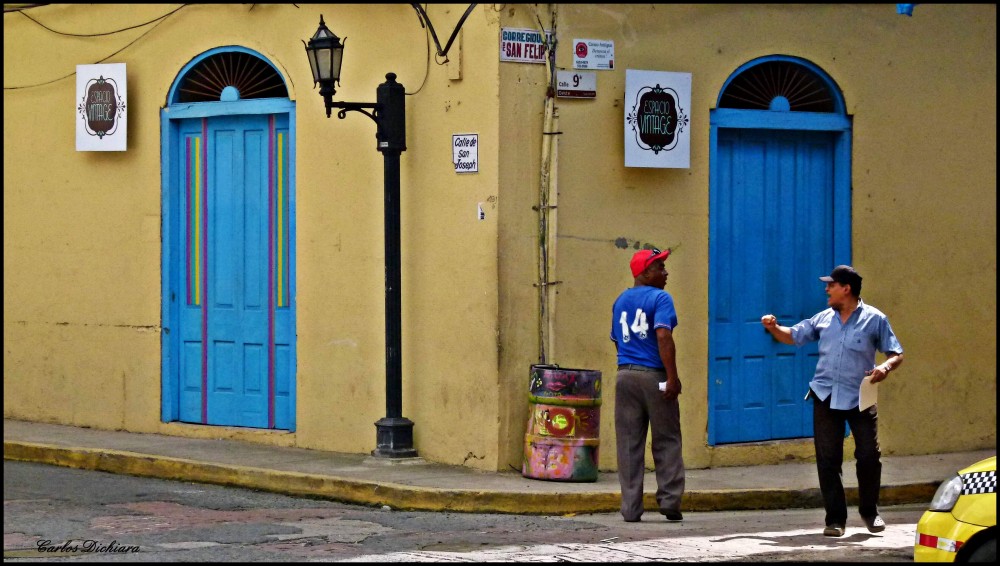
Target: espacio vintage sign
x,y
657,122
101,104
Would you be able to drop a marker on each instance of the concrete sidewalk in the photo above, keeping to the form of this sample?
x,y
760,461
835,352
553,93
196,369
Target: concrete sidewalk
x,y
419,485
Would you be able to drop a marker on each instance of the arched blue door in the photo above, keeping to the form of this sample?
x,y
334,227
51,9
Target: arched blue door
x,y
780,204
228,260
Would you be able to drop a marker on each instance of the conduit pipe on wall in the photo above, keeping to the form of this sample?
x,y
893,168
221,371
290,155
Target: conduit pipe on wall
x,y
547,196
553,232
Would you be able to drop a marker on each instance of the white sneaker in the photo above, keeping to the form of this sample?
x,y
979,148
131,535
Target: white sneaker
x,y
834,531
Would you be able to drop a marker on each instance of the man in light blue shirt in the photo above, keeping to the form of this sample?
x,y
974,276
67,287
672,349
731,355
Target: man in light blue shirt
x,y
850,332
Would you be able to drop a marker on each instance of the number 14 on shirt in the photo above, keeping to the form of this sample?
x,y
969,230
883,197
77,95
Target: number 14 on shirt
x,y
639,325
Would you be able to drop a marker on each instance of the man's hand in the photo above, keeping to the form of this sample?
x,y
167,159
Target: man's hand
x,y
668,355
673,389
780,333
877,374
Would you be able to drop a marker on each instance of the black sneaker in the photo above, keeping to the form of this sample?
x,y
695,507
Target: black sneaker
x,y
672,515
875,524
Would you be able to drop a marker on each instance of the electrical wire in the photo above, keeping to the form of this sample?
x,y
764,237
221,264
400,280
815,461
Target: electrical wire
x,y
19,7
421,15
427,66
162,19
99,34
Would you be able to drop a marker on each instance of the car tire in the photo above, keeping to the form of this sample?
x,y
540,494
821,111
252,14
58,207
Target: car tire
x,y
985,552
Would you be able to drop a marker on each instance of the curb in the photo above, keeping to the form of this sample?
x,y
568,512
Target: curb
x,y
403,497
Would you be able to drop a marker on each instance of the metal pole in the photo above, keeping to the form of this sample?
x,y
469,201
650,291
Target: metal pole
x,y
393,433
393,301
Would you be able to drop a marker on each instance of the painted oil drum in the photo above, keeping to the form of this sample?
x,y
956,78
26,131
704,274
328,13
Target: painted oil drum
x,y
564,424
564,386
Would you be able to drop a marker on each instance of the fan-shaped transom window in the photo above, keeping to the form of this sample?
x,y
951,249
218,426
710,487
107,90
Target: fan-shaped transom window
x,y
228,76
779,85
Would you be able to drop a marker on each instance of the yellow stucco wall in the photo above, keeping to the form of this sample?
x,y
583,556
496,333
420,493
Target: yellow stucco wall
x,y
82,252
921,92
82,230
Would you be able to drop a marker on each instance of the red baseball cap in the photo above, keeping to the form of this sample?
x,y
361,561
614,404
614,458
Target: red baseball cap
x,y
642,258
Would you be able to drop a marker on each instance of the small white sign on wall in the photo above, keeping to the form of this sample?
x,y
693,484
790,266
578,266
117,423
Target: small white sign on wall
x,y
101,107
465,152
594,54
524,45
576,84
657,122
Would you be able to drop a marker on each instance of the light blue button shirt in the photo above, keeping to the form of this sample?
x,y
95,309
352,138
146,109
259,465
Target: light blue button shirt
x,y
846,351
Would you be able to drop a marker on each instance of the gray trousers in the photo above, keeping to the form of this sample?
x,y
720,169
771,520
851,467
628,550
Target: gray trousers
x,y
639,405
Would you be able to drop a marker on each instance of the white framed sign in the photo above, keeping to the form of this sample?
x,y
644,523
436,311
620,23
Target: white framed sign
x,y
596,54
101,107
465,152
576,84
524,45
657,119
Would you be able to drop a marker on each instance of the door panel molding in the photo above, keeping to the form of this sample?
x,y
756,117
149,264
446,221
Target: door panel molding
x,y
731,132
183,359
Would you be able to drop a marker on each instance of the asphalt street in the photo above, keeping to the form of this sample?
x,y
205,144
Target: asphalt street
x,y
55,513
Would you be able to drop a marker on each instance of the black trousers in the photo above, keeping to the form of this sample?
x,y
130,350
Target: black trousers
x,y
828,430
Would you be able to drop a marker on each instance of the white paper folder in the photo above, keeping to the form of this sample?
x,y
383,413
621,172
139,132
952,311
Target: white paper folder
x,y
868,393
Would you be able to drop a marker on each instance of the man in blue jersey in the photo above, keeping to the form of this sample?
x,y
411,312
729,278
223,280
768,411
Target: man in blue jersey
x,y
849,334
646,389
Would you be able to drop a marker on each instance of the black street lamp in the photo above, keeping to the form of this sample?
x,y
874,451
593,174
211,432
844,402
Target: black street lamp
x,y
393,433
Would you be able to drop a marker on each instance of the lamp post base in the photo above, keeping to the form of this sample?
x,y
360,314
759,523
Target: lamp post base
x,y
394,438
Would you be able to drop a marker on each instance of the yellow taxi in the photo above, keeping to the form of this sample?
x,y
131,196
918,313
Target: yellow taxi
x,y
961,523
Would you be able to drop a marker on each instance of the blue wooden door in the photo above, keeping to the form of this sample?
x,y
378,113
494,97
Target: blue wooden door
x,y
234,321
772,236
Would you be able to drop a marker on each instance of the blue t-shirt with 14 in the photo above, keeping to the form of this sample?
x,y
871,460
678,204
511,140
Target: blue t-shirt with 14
x,y
636,315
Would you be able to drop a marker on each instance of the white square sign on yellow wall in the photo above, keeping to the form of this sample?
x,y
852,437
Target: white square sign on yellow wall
x,y
657,119
101,107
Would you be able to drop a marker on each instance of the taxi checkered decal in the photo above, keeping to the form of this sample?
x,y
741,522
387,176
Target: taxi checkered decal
x,y
979,482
